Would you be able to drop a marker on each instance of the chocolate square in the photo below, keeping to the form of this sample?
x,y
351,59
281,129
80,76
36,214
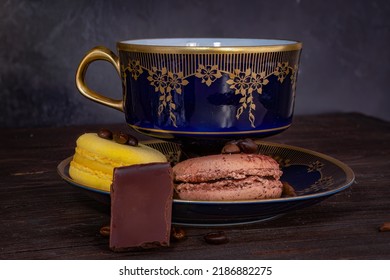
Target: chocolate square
x,y
141,206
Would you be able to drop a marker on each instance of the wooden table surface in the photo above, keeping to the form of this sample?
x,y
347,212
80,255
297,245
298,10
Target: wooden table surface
x,y
42,217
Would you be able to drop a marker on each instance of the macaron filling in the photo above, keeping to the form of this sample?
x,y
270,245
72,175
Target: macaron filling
x,y
228,177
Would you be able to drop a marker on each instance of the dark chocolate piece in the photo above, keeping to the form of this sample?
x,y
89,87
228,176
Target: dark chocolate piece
x,y
141,206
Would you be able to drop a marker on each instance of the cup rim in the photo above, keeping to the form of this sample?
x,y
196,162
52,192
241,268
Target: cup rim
x,y
171,45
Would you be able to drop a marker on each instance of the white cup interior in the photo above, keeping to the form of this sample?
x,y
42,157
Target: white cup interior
x,y
209,42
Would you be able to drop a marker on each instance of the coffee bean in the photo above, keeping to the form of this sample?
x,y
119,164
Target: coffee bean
x,y
105,231
248,146
178,234
132,141
233,142
288,190
230,149
216,238
121,138
385,227
105,134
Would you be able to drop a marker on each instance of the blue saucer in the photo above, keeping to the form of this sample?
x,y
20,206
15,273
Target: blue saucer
x,y
313,175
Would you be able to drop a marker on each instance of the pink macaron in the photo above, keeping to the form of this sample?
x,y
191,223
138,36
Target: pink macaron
x,y
227,177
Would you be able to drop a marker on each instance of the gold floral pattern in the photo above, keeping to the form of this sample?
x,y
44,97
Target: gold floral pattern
x,y
294,71
315,166
135,69
175,82
158,79
244,82
322,184
281,71
208,73
167,83
283,162
257,82
239,81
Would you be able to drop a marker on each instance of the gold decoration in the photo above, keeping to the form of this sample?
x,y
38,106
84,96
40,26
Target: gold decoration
x,y
135,68
158,79
315,166
208,73
257,82
169,78
166,83
293,78
239,81
176,81
281,71
322,184
245,83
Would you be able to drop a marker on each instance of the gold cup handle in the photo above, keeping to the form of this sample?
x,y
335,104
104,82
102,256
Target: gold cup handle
x,y
97,53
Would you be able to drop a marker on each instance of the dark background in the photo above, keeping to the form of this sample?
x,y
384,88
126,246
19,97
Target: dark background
x,y
344,65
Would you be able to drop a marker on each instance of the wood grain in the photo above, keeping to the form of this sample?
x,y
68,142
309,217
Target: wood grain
x,y
42,217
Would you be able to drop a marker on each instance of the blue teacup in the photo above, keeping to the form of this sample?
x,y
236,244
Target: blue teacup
x,y
190,88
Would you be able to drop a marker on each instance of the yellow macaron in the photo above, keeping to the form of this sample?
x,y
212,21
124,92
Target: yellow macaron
x,y
95,159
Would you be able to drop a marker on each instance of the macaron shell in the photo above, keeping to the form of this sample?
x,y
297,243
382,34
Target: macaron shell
x,y
95,159
89,177
117,154
215,167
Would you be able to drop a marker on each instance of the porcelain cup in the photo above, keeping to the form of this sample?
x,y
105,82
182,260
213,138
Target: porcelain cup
x,y
207,88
